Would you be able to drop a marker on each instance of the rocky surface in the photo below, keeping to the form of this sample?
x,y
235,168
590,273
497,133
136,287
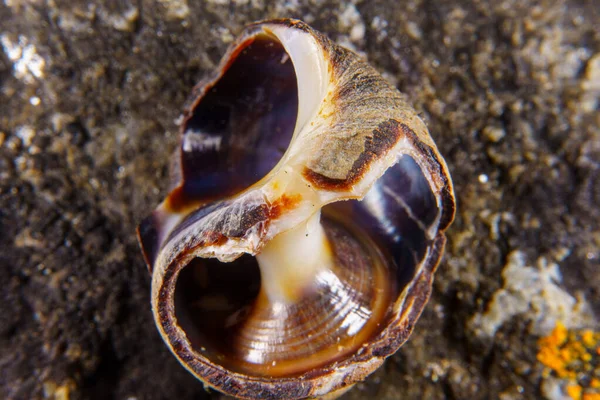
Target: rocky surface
x,y
89,92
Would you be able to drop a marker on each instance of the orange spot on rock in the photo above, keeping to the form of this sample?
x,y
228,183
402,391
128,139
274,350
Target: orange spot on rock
x,y
574,391
571,355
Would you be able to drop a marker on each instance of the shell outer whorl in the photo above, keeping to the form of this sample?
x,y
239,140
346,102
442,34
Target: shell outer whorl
x,y
364,126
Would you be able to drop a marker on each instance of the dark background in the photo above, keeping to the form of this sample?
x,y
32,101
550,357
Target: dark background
x,y
89,92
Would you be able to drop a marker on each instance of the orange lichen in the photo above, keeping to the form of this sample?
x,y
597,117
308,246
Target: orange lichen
x,y
574,391
573,355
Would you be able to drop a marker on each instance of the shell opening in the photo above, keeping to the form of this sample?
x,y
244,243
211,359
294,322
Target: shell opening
x,y
243,124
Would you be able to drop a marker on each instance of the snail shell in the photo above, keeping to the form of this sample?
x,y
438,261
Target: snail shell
x,y
265,284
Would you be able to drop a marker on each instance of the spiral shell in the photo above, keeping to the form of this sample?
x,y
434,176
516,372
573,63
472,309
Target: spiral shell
x,y
265,282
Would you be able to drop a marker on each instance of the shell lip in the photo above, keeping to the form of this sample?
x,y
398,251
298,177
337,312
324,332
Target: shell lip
x,y
285,22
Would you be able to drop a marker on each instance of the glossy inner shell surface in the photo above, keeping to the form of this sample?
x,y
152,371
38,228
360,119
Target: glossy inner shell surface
x,y
230,320
244,123
241,127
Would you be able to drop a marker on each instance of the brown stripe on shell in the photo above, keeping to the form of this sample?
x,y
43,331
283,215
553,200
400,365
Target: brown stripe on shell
x,y
352,111
376,146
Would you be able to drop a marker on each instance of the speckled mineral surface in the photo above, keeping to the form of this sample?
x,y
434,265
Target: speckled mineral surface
x,y
89,92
